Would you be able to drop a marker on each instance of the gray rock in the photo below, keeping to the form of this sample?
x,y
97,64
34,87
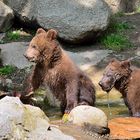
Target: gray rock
x,y
117,5
136,4
44,97
6,84
2,35
6,17
123,5
76,21
88,58
0,59
20,122
12,54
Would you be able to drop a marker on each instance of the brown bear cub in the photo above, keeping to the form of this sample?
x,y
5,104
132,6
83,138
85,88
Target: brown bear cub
x,y
125,79
57,71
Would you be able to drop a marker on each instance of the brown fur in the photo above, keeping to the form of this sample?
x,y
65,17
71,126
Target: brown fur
x,y
120,75
55,69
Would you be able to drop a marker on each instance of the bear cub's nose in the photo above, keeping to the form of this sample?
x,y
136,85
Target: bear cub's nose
x,y
100,84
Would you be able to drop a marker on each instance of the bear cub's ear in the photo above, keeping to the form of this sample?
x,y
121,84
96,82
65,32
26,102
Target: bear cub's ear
x,y
51,34
113,60
40,30
125,64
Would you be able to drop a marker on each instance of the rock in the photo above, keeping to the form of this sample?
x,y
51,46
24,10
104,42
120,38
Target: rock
x,y
124,128
44,97
76,21
2,35
87,114
88,58
117,6
2,83
12,54
19,121
6,17
136,4
0,59
5,84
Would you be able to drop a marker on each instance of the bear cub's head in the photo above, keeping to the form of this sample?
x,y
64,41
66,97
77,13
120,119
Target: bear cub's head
x,y
41,46
115,72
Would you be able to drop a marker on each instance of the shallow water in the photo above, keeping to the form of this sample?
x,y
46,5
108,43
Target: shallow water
x,y
112,104
117,109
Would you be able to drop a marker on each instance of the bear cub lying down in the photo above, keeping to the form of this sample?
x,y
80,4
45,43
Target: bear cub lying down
x,y
55,69
124,78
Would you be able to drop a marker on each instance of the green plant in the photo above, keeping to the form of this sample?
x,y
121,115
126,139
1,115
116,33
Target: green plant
x,y
116,42
6,70
13,35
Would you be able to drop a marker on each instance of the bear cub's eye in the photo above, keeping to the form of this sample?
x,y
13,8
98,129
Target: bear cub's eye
x,y
34,47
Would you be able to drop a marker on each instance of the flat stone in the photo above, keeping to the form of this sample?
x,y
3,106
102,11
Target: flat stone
x,y
125,128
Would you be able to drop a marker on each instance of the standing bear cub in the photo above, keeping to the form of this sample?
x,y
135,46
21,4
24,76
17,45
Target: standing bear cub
x,y
56,70
124,78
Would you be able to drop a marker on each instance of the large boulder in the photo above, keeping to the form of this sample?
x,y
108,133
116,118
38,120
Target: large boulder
x,y
75,20
6,17
20,122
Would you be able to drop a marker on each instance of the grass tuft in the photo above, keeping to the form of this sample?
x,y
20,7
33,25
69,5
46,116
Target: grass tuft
x,y
116,42
13,35
6,70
